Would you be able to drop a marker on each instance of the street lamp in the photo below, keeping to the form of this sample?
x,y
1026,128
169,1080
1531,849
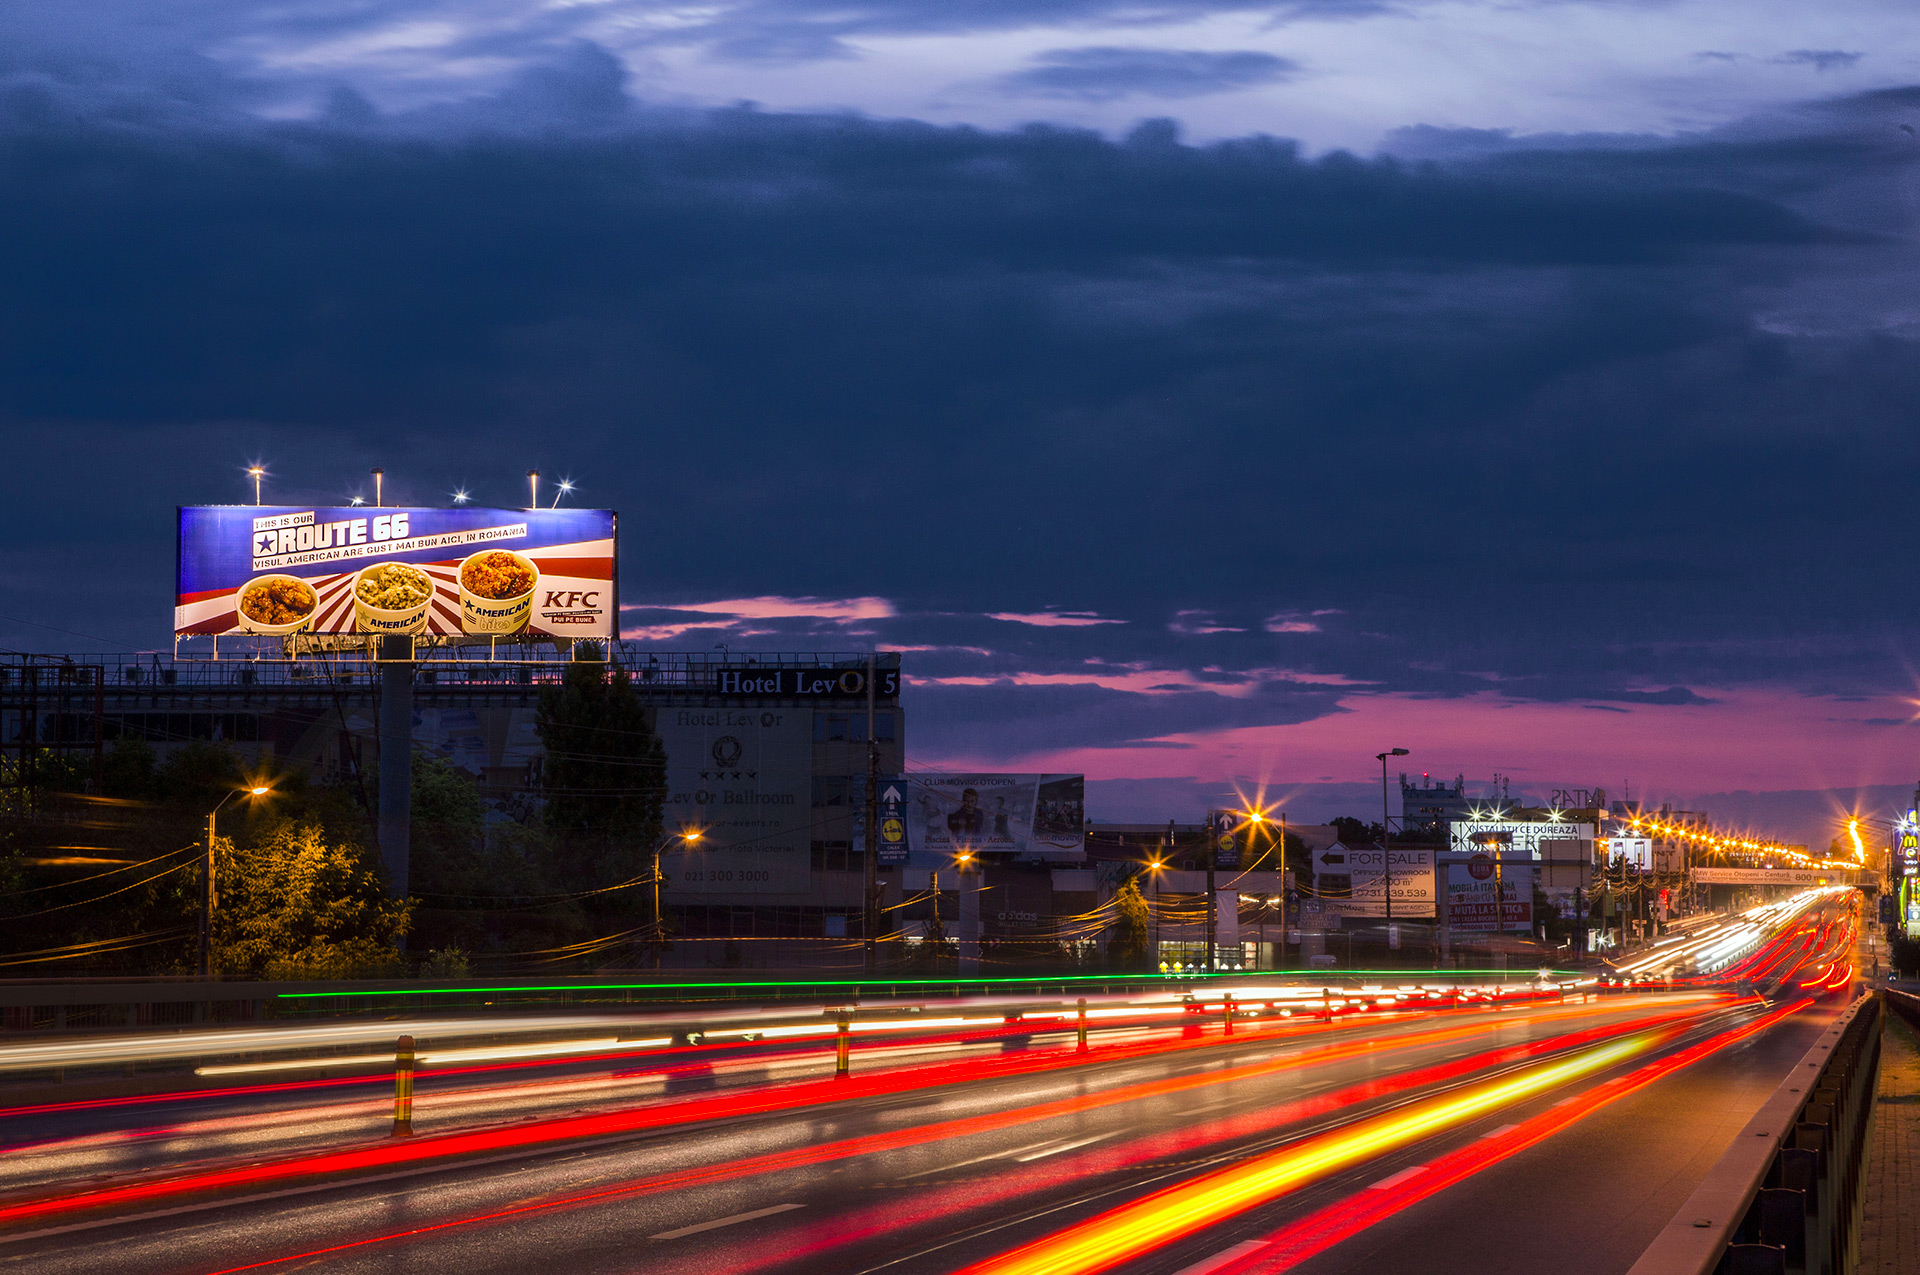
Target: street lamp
x,y
1154,868
656,932
256,472
1386,837
206,878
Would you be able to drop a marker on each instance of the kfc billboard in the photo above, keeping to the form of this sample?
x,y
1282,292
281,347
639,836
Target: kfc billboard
x,y
277,571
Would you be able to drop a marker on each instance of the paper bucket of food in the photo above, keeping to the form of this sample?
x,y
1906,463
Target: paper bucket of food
x,y
391,597
496,591
275,605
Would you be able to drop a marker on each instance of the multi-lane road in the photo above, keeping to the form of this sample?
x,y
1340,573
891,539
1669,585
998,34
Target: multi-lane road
x,y
1544,1131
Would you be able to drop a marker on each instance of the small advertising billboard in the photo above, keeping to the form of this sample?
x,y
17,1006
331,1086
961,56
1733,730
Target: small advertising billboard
x,y
1353,880
1024,816
1484,895
476,573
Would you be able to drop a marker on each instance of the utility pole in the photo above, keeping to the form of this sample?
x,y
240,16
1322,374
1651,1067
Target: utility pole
x,y
393,830
1213,899
206,899
1386,835
1286,903
870,925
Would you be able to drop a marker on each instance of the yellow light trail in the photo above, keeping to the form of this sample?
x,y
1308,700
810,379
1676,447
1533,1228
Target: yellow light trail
x,y
1125,1233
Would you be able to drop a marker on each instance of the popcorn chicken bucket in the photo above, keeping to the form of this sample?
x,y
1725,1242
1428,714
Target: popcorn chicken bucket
x,y
391,597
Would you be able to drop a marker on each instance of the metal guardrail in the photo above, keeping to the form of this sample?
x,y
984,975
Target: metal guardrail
x,y
80,1005
668,670
1787,1197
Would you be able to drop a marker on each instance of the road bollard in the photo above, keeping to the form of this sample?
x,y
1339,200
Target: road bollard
x,y
403,1087
842,1043
1229,1013
1326,1004
1083,1026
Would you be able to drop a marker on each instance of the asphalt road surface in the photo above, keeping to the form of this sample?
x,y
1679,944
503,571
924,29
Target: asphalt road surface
x,y
1536,1136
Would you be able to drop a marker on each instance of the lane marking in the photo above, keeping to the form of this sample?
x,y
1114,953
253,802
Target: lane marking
x,y
1387,1183
1207,1265
1070,1146
719,1222
1502,1131
979,1159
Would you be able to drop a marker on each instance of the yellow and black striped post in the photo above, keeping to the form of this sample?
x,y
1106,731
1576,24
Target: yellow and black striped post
x,y
1083,1026
1229,1013
403,1087
842,1042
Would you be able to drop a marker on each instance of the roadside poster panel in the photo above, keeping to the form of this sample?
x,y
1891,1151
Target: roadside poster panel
x,y
1020,816
1353,881
1472,904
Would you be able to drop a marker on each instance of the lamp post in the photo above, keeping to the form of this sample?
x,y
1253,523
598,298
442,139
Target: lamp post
x,y
379,499
1153,872
656,932
206,879
255,471
1386,837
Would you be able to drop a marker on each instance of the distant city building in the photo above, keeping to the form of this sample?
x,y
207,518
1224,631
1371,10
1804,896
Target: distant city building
x,y
1428,806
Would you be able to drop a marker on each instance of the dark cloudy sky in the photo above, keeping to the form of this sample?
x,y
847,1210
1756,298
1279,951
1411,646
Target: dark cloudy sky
x,y
1203,393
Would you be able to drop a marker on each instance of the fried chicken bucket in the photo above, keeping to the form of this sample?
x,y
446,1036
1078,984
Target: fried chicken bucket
x,y
496,591
275,605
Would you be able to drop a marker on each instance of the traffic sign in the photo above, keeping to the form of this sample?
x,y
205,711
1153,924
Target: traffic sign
x,y
892,843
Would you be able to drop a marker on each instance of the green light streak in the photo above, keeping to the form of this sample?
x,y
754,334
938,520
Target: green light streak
x,y
876,983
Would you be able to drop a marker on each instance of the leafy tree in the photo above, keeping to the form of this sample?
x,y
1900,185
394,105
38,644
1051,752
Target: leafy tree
x,y
297,905
1355,833
604,784
446,962
1127,949
448,830
1298,858
478,889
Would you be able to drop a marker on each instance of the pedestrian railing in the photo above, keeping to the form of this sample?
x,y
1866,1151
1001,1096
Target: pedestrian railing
x,y
1787,1197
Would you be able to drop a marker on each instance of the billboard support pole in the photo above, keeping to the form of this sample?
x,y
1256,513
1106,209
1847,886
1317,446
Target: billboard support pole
x,y
394,830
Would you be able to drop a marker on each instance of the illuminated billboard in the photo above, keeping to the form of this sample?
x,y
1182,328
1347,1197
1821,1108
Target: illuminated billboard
x,y
1041,816
1515,836
476,573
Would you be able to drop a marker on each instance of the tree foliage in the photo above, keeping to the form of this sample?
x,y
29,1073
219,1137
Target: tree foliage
x,y
1127,948
298,905
605,783
1353,832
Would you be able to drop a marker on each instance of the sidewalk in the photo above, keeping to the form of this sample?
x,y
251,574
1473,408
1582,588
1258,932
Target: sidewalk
x,y
1890,1233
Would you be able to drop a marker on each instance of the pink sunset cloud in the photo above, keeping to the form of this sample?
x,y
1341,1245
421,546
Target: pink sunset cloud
x,y
1140,679
730,613
1053,619
1747,738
